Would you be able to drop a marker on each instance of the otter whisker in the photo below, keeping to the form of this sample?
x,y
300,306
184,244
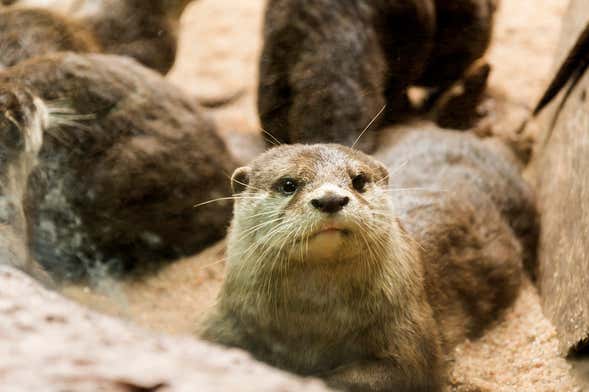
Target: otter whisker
x,y
308,238
279,260
274,141
225,198
393,172
285,230
261,243
303,230
290,235
56,122
266,283
267,243
369,125
269,214
366,264
257,228
416,189
212,263
64,115
70,114
366,236
285,259
381,222
244,184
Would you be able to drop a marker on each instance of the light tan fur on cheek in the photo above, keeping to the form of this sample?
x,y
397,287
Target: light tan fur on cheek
x,y
258,229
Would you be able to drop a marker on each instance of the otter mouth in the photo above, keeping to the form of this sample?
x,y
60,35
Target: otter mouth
x,y
330,230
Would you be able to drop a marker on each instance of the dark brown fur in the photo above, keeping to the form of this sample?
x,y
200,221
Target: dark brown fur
x,y
27,33
146,30
474,217
125,156
328,66
381,313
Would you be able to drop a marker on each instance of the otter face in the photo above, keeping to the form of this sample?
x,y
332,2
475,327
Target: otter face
x,y
310,203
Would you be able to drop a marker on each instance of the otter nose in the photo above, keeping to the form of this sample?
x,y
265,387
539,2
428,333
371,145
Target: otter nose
x,y
330,204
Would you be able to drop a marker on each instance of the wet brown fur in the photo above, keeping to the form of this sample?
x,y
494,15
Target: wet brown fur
x,y
443,258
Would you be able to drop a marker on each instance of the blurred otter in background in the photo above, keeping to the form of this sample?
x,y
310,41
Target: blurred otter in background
x,y
146,30
329,66
123,156
26,33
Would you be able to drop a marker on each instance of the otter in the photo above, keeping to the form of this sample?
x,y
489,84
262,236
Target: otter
x,y
366,273
328,66
27,33
123,157
144,30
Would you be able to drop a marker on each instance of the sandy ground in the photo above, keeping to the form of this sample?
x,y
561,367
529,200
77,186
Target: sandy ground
x,y
219,48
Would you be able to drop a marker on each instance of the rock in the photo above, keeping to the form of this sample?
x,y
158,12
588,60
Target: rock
x,y
125,157
560,165
50,344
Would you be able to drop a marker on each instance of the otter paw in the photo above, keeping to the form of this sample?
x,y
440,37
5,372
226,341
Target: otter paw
x,y
458,106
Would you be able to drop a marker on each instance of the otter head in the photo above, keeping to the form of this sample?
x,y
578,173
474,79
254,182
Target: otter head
x,y
310,204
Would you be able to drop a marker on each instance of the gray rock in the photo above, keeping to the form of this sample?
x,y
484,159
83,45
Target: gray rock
x,y
50,344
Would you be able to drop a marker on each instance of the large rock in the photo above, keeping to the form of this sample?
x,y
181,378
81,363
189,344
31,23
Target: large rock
x,y
561,164
125,157
50,344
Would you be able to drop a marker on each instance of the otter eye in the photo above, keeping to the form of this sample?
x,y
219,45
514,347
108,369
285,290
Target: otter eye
x,y
287,186
359,182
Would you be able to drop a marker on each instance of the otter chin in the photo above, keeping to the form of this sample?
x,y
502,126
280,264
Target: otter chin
x,y
327,242
330,275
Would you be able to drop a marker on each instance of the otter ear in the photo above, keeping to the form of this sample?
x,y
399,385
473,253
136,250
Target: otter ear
x,y
240,179
383,174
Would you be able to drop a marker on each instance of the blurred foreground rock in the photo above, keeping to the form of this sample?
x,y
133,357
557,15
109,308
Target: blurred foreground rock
x,y
50,344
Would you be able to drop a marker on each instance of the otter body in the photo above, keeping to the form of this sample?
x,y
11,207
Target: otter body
x,y
144,30
331,65
367,276
27,33
123,156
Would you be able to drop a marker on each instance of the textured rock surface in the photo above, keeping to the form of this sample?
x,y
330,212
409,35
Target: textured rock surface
x,y
50,344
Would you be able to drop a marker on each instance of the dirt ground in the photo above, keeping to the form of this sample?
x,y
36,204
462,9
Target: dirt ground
x,y
219,47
